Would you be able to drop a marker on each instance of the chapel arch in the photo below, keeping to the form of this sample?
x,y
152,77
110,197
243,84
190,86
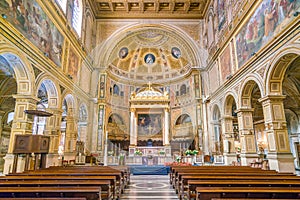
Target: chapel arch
x,y
16,93
69,127
117,134
216,136
183,137
230,138
251,121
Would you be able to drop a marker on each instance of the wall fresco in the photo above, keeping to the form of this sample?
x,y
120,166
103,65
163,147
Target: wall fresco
x,y
73,64
29,18
225,62
268,19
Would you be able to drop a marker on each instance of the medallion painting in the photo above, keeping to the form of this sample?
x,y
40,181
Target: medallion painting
x,y
29,18
149,124
268,20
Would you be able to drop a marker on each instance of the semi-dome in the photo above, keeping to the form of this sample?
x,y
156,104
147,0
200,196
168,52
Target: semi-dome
x,y
151,54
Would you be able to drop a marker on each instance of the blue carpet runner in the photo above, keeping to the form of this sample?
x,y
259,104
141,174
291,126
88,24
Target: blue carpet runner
x,y
149,170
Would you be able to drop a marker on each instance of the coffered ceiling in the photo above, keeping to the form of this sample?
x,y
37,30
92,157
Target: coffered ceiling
x,y
150,9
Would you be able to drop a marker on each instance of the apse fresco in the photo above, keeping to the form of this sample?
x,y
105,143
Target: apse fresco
x,y
268,20
29,18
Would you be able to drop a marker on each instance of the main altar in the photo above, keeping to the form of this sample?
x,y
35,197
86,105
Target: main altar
x,y
149,121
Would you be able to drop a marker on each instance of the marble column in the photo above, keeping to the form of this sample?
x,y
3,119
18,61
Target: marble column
x,y
247,137
279,153
132,127
166,127
228,140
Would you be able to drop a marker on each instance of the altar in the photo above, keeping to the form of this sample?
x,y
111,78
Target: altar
x,y
149,156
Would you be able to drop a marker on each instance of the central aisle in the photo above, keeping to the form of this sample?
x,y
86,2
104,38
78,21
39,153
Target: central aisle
x,y
149,187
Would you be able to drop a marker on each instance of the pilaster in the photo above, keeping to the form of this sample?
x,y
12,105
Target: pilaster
x,y
247,137
228,140
279,152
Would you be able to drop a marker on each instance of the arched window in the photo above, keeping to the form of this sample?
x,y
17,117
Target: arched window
x,y
116,90
183,89
62,4
77,16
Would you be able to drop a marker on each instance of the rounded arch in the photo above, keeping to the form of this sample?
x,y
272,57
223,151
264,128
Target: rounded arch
x,y
22,69
183,119
52,92
115,118
102,59
230,103
247,88
278,66
68,100
216,113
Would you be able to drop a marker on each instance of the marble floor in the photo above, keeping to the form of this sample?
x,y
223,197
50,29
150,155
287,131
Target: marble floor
x,y
149,187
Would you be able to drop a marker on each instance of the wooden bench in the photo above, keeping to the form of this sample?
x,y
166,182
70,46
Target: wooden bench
x,y
40,192
178,180
106,191
85,180
221,178
207,193
44,198
193,184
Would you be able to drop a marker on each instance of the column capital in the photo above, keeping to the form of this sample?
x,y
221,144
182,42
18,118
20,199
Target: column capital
x,y
32,99
227,117
167,109
245,109
272,98
132,109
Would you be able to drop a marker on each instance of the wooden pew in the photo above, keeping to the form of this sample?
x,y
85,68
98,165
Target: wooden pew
x,y
178,179
193,184
106,190
45,198
207,193
91,193
63,179
221,178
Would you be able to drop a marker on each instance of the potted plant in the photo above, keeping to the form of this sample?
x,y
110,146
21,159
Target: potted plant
x,y
162,152
138,152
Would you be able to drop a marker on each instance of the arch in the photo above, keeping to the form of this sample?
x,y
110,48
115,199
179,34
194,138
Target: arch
x,y
116,89
52,91
69,102
247,88
115,118
183,89
216,113
22,69
278,67
183,119
102,59
230,104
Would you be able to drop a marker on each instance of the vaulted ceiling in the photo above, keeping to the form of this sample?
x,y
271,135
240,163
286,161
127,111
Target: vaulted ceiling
x,y
165,9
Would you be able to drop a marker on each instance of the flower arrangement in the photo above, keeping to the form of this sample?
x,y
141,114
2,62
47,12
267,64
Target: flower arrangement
x,y
177,164
162,152
191,152
138,152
